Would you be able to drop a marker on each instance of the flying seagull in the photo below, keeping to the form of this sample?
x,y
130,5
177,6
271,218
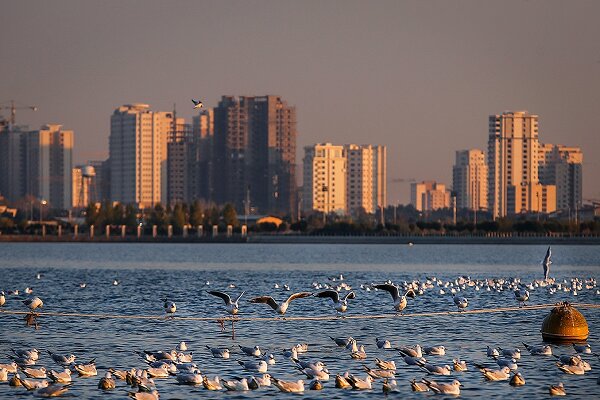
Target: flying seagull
x,y
340,304
399,300
546,263
280,308
232,307
197,104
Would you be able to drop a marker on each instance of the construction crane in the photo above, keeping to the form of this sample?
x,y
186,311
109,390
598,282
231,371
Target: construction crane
x,y
13,110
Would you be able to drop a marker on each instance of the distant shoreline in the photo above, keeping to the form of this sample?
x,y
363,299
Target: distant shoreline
x,y
306,239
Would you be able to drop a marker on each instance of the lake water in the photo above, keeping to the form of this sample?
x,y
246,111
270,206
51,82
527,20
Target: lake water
x,y
148,272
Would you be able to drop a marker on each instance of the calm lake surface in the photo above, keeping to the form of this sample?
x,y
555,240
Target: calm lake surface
x,y
149,272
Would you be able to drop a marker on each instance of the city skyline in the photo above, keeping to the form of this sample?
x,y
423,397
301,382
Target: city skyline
x,y
396,74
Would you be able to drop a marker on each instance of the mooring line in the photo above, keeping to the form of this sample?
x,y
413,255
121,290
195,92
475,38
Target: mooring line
x,y
299,318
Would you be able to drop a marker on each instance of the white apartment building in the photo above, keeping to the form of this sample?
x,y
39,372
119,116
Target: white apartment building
x,y
513,159
138,155
562,166
324,178
366,177
429,196
469,179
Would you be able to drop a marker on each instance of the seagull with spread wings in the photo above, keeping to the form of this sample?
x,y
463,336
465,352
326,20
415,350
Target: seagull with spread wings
x,y
399,300
280,308
340,304
231,306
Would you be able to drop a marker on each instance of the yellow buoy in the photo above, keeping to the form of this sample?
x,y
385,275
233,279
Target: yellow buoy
x,y
564,324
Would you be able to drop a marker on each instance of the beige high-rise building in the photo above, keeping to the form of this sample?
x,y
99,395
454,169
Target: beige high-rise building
x,y
429,196
366,177
84,186
469,179
324,178
138,155
49,165
513,159
562,166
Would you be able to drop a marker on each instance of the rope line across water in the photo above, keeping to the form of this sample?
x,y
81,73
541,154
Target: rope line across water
x,y
301,318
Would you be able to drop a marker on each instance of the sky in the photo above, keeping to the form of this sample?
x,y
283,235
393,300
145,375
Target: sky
x,y
420,77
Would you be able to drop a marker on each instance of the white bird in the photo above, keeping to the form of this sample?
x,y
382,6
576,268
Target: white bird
x,y
211,384
507,362
342,341
511,353
582,348
435,350
492,352
436,369
232,307
280,308
269,358
489,374
12,367
254,366
517,380
443,388
544,350
314,365
383,343
261,381
383,364
88,369
2,299
340,304
30,384
197,104
571,369
182,346
62,360
169,307
400,301
521,297
189,378
415,351
3,375
33,303
546,263
51,391
418,386
32,354
380,373
39,373
361,384
459,365
60,377
219,353
460,302
557,390
289,386
251,351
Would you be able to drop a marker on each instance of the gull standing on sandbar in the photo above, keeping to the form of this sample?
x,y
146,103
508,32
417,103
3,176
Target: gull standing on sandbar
x,y
232,307
280,308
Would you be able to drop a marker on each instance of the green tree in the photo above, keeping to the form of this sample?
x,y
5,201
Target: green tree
x,y
229,215
178,219
196,214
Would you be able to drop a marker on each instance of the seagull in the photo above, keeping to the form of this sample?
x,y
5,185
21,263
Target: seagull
x,y
39,373
383,364
557,390
361,384
107,382
411,351
492,352
61,359
539,350
218,353
261,381
459,366
60,377
489,374
341,382
289,386
582,348
461,302
340,305
571,369
507,362
170,308
341,341
383,344
251,351
511,353
189,378
418,386
88,369
33,354
232,307
443,388
546,263
521,297
211,384
436,369
435,350
51,391
399,300
2,299
380,373
33,303
197,104
280,308
517,380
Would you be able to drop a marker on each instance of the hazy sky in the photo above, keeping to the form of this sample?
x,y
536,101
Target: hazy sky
x,y
418,76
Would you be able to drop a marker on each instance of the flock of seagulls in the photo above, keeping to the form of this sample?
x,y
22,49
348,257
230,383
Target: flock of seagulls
x,y
55,374
51,374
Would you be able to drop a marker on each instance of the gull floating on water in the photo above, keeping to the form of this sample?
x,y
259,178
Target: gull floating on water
x,y
232,307
383,364
418,386
443,388
289,386
60,377
435,350
107,382
557,390
517,380
582,348
260,366
544,350
251,351
280,308
218,352
62,360
361,384
460,302
2,299
383,343
211,384
489,374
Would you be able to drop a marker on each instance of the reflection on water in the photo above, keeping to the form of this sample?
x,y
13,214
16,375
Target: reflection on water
x,y
149,272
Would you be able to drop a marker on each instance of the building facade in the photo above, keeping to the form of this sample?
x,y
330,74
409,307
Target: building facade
x,y
366,185
513,160
562,166
469,180
202,171
254,151
180,162
325,178
138,155
429,196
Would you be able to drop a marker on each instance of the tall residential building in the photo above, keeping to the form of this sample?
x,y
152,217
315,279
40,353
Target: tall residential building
x,y
49,153
84,186
255,149
202,170
562,166
13,161
325,178
180,162
513,181
138,155
469,179
366,177
429,196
